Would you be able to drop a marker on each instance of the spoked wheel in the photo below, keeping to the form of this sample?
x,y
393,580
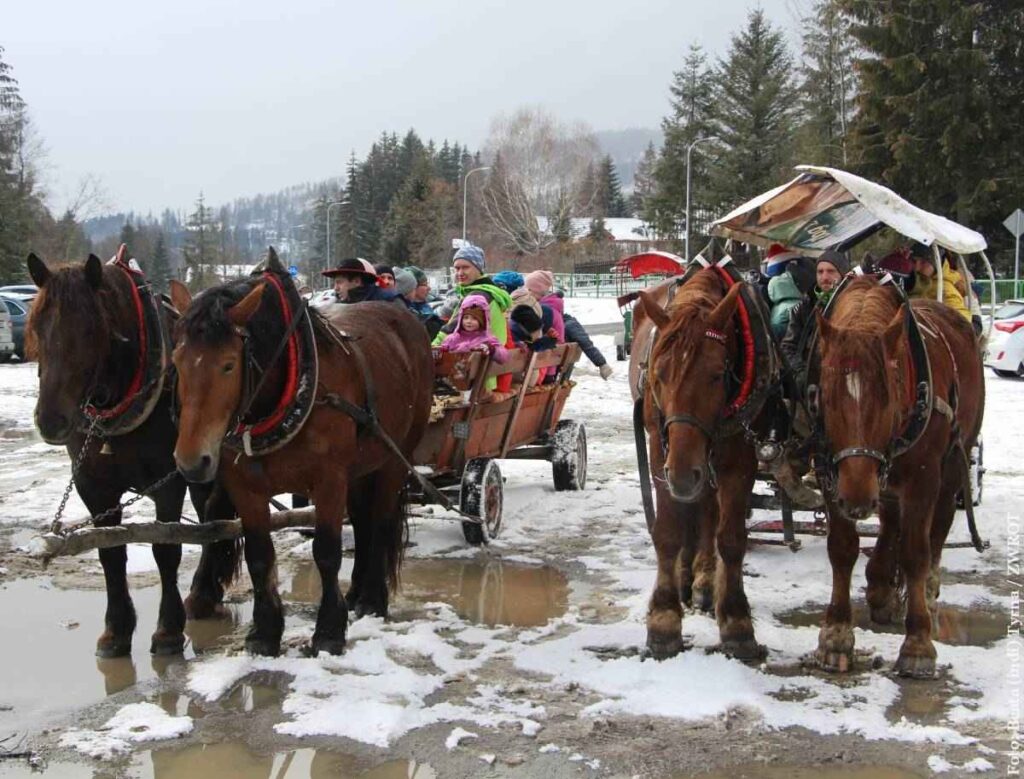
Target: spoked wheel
x,y
481,496
569,458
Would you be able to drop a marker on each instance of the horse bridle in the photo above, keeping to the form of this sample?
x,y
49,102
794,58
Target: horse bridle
x,y
711,433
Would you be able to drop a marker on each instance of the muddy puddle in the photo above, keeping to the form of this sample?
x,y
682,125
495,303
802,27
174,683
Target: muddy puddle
x,y
231,761
808,772
49,663
488,592
957,625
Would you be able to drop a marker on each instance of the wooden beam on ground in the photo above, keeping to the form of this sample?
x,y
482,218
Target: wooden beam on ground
x,y
49,545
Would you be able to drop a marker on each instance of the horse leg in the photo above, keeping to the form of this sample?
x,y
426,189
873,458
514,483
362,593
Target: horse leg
x,y
218,564
332,618
264,637
387,536
169,637
360,500
942,521
704,561
685,563
119,620
883,595
917,654
665,611
835,639
732,610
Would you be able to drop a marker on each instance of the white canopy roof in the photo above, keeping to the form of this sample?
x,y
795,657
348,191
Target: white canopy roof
x,y
823,208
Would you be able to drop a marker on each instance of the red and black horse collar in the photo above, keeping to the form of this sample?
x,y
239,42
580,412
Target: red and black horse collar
x,y
147,382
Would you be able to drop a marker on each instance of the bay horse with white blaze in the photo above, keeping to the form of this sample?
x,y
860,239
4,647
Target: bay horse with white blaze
x,y
89,329
869,397
380,360
703,475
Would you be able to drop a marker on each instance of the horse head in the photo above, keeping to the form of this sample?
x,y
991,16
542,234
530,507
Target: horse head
x,y
209,356
860,392
687,371
78,331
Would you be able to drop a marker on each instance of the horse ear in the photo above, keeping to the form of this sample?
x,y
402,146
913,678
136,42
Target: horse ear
x,y
723,311
894,332
653,310
273,263
122,253
180,296
94,271
37,270
240,313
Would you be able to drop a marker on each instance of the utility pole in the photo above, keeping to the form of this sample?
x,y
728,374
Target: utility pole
x,y
689,152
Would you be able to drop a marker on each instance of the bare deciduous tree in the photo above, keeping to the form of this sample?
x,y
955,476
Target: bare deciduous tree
x,y
538,167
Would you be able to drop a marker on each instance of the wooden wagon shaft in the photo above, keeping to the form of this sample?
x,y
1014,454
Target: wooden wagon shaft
x,y
49,545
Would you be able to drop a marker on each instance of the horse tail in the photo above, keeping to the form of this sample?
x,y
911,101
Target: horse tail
x,y
395,536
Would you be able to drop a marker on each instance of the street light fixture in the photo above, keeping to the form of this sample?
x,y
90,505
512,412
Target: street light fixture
x,y
465,191
327,256
689,151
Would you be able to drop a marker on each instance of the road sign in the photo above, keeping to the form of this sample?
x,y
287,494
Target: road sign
x,y
1015,223
293,270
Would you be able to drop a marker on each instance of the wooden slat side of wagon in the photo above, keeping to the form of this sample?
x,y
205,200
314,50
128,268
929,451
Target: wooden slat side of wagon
x,y
472,430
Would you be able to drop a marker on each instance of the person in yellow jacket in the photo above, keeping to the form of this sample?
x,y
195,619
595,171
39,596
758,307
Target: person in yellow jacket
x,y
926,285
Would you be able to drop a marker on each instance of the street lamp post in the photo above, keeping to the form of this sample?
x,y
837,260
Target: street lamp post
x,y
327,257
689,152
465,191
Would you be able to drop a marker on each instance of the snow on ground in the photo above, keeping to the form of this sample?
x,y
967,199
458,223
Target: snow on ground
x,y
393,672
133,724
594,311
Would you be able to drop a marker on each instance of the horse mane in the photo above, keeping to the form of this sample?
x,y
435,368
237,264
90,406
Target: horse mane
x,y
206,320
103,312
691,304
859,317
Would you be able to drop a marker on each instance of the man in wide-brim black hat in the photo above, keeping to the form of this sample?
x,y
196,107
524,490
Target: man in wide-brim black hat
x,y
355,281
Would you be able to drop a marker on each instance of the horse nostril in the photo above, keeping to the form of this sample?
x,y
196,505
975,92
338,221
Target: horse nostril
x,y
697,475
204,462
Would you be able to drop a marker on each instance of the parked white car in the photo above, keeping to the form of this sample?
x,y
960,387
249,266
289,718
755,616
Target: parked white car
x,y
1006,346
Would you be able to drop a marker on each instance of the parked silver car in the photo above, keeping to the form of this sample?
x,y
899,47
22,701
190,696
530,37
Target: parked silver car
x,y
6,335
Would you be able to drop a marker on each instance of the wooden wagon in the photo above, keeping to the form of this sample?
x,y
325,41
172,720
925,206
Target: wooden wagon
x,y
471,429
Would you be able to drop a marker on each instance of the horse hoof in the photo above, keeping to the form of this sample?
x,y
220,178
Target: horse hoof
x,y
332,646
108,646
703,599
833,662
205,608
664,647
164,644
364,608
686,595
915,667
747,650
262,646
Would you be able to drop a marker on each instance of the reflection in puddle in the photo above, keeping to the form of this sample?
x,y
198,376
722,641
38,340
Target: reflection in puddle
x,y
958,626
234,761
32,612
489,593
808,772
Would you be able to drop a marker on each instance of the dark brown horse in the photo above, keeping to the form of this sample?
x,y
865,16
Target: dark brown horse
x,y
703,476
867,396
85,332
343,467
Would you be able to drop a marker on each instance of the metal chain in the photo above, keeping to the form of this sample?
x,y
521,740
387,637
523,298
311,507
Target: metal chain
x,y
144,493
55,526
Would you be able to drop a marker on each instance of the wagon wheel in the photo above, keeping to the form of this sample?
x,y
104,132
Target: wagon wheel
x,y
481,496
569,458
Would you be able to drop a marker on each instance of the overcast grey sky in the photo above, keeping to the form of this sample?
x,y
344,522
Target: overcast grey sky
x,y
234,98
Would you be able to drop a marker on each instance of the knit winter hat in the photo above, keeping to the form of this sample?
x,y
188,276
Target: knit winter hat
x,y
508,280
523,297
472,254
420,276
776,259
382,268
474,312
540,282
836,260
405,281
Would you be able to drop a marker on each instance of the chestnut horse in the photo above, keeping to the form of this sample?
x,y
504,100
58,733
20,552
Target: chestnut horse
x,y
703,476
84,331
867,397
344,467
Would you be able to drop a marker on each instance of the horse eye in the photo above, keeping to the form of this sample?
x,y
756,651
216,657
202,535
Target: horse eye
x,y
228,367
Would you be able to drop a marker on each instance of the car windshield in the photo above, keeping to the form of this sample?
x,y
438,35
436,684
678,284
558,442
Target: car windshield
x,y
1010,311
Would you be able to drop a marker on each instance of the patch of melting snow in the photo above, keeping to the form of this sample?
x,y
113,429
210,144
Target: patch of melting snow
x,y
457,736
133,724
940,765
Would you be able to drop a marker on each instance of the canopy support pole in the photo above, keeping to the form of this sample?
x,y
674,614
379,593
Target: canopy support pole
x,y
992,284
938,270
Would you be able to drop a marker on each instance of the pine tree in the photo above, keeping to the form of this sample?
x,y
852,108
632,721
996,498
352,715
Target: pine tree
x,y
201,246
644,183
693,95
933,103
827,85
609,191
17,199
159,270
754,109
128,238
